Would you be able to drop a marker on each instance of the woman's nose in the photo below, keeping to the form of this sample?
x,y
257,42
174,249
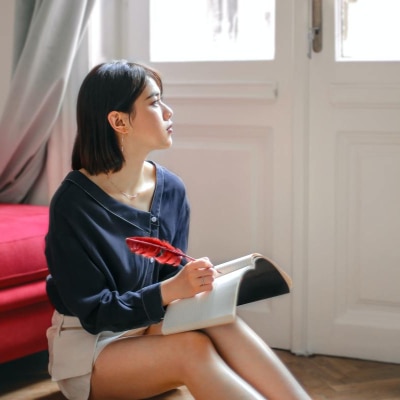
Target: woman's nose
x,y
167,112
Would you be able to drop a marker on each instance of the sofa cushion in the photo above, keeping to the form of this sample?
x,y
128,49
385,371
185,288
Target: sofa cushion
x,y
23,295
23,331
22,231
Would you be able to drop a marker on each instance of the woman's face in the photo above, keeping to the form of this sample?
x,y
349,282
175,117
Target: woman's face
x,y
150,124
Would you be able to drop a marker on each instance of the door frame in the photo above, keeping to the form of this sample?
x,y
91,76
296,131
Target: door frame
x,y
300,140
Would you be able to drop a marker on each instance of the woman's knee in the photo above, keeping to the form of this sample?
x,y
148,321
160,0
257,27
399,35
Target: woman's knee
x,y
194,341
196,347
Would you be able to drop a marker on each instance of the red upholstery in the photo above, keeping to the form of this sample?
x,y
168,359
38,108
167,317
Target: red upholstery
x,y
23,331
25,311
22,230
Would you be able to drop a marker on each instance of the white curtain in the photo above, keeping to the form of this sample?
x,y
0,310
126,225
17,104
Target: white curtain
x,y
47,37
62,135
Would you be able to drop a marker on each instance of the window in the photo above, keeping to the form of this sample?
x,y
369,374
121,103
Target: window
x,y
369,30
194,42
212,30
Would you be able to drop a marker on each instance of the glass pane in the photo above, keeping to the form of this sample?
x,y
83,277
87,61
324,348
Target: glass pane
x,y
212,30
369,30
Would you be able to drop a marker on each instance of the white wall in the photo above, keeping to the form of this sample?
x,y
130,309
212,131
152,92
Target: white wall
x,y
6,43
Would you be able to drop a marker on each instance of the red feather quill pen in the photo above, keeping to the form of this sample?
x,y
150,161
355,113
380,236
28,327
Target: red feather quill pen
x,y
160,250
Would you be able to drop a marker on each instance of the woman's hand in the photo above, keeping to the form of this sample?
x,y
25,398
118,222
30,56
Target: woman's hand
x,y
197,276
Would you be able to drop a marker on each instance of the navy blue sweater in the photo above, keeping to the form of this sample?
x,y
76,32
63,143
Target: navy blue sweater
x,y
94,276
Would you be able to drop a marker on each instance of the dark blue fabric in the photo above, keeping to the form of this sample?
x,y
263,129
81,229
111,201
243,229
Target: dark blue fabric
x,y
94,276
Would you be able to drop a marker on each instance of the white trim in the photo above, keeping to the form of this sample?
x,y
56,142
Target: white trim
x,y
300,127
222,90
365,95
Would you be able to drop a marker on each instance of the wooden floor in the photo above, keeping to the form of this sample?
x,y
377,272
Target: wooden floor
x,y
323,377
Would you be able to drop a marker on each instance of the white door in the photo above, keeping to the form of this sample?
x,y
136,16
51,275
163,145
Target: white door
x,y
354,183
294,157
232,130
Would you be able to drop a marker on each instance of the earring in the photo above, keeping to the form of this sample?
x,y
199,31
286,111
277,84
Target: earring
x,y
122,144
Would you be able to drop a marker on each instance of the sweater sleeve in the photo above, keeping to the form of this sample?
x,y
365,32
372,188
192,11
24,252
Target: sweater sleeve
x,y
95,277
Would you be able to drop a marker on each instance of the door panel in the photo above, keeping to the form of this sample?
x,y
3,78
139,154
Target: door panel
x,y
354,193
232,147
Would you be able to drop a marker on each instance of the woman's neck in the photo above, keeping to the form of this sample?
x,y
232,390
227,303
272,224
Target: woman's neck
x,y
131,180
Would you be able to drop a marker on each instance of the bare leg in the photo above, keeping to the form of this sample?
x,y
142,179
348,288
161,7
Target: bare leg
x,y
141,367
254,361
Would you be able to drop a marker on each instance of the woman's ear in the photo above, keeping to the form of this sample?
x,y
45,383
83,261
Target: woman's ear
x,y
117,121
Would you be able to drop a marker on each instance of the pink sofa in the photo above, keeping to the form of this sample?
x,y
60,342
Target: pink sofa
x,y
25,311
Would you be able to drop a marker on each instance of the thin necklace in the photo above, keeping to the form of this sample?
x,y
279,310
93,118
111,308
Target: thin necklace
x,y
127,195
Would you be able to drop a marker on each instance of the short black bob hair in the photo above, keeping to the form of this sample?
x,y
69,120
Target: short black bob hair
x,y
111,86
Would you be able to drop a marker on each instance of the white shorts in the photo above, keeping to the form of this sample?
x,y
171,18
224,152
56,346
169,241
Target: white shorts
x,y
73,352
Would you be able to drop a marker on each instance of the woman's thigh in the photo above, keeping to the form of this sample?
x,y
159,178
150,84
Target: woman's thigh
x,y
144,366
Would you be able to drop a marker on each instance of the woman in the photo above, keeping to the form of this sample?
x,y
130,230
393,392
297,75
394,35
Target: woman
x,y
105,341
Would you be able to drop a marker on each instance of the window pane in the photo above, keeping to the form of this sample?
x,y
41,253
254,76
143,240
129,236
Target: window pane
x,y
369,30
212,30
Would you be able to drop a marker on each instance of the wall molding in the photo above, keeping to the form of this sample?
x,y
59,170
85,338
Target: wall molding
x,y
365,95
357,231
214,90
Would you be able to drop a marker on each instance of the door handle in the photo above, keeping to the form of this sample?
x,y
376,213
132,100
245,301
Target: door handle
x,y
315,32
